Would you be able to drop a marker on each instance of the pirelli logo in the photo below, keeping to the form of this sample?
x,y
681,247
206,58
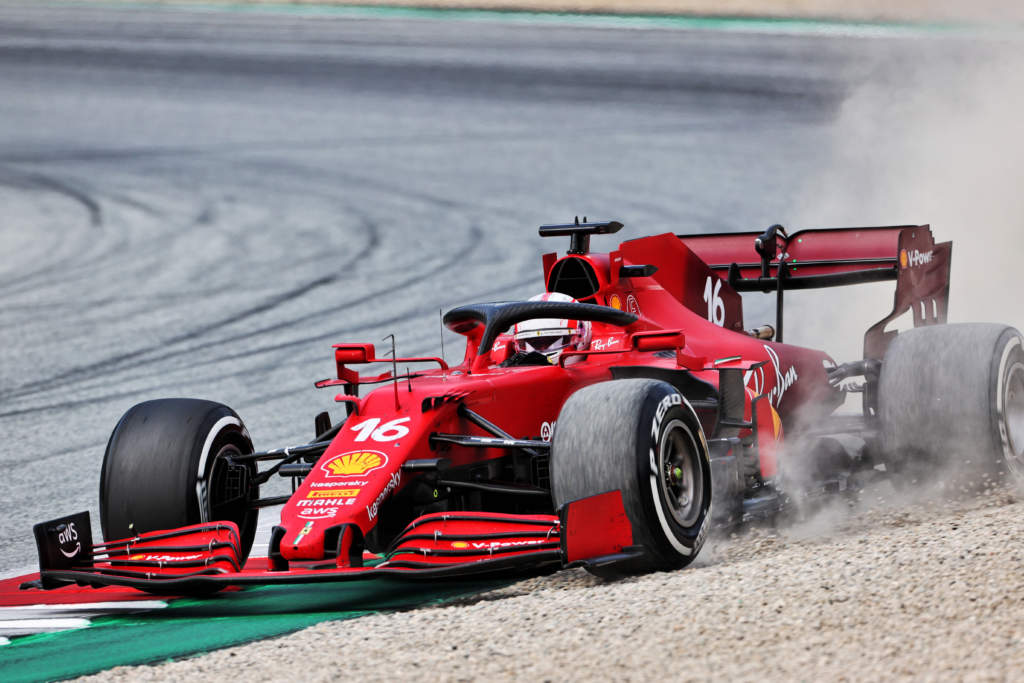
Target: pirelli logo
x,y
333,493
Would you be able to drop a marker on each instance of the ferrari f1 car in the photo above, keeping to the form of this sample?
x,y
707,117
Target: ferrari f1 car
x,y
616,452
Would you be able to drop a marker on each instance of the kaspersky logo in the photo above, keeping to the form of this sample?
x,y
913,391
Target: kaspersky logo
x,y
354,463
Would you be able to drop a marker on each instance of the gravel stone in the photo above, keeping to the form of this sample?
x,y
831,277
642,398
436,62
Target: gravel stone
x,y
931,589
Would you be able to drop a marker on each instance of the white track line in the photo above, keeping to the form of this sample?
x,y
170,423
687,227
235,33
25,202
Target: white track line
x,y
82,609
27,627
24,620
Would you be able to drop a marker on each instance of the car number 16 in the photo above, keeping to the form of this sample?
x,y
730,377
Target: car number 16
x,y
713,298
374,430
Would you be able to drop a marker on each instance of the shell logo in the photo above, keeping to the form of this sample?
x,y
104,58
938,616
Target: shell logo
x,y
460,545
615,302
355,462
904,261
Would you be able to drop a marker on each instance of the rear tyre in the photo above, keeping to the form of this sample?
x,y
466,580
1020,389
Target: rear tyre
x,y
641,437
951,400
169,464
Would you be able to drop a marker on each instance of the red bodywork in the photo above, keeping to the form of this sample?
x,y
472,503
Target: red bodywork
x,y
689,321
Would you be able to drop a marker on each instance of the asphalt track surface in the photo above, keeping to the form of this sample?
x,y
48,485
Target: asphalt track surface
x,y
199,203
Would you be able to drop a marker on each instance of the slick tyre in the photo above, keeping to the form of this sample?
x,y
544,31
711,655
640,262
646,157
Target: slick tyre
x,y
640,437
951,399
169,464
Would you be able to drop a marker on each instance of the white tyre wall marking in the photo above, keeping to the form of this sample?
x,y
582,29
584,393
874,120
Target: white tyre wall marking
x,y
1008,455
659,414
662,520
225,421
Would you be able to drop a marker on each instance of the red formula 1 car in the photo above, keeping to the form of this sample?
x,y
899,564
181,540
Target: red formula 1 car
x,y
605,424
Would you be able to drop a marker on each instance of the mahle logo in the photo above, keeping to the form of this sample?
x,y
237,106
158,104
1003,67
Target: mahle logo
x,y
356,462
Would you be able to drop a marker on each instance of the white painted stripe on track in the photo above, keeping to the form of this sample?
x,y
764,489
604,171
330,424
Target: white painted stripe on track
x,y
84,609
25,620
27,627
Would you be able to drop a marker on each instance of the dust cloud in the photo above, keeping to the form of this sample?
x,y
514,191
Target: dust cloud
x,y
930,136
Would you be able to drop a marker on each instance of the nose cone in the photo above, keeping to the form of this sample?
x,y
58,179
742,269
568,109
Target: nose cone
x,y
305,543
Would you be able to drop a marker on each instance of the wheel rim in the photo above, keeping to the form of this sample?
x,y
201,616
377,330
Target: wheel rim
x,y
681,476
228,492
1013,410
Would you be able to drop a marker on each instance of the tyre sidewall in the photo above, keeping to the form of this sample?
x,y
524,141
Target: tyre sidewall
x,y
1009,351
669,542
158,463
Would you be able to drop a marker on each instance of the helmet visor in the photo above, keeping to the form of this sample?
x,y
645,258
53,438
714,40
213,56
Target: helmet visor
x,y
544,344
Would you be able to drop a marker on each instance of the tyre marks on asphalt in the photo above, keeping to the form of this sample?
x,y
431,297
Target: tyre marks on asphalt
x,y
167,352
164,348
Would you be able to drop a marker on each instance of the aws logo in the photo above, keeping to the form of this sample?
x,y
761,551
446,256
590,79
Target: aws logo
x,y
66,536
353,463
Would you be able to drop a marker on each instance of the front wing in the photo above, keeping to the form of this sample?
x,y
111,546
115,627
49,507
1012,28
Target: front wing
x,y
207,557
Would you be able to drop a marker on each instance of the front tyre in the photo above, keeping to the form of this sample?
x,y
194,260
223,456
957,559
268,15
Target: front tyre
x,y
170,463
640,437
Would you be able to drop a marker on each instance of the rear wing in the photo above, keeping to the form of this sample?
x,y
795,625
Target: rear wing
x,y
832,257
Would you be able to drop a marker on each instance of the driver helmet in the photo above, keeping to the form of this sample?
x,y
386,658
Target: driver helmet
x,y
551,336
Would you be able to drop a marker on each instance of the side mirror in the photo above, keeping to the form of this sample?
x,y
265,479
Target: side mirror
x,y
354,353
659,340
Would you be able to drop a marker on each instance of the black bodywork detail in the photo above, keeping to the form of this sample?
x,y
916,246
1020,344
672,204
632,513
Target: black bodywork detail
x,y
335,538
520,359
63,544
731,402
498,317
488,442
637,271
701,395
574,277
277,561
494,487
579,233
